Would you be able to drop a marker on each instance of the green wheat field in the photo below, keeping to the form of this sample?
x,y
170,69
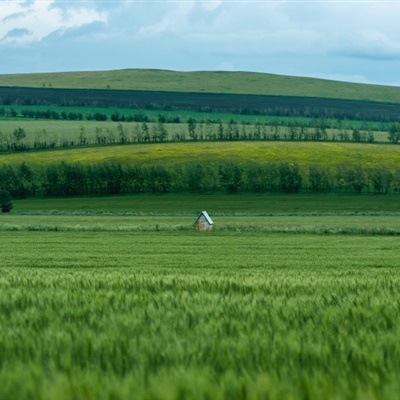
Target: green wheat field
x,y
289,297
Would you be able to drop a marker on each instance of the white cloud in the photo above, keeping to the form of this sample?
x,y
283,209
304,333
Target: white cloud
x,y
174,20
210,5
38,19
356,39
370,44
357,28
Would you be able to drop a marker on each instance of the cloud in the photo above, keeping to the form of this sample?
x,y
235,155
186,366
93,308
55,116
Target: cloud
x,y
175,20
210,5
356,39
371,44
38,19
357,29
18,33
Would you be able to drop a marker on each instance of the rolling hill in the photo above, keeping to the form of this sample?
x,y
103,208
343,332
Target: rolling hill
x,y
206,82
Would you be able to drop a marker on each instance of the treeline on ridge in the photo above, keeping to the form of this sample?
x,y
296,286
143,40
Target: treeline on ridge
x,y
72,179
206,102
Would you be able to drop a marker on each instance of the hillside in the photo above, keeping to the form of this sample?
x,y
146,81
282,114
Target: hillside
x,y
206,82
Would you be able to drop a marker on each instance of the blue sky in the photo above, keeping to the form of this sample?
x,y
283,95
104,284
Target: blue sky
x,y
355,41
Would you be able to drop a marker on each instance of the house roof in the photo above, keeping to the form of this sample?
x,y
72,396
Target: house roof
x,y
206,216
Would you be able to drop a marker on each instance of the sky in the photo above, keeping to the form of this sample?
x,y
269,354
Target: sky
x,y
355,41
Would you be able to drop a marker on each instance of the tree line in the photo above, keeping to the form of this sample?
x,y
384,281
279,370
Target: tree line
x,y
142,116
73,179
318,130
66,115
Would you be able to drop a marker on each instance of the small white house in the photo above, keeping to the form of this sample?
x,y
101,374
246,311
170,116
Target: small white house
x,y
204,222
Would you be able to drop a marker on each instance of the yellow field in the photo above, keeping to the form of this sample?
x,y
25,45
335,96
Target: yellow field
x,y
302,153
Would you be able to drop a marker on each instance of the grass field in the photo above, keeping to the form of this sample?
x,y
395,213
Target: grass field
x,y
221,316
300,213
236,205
125,300
385,224
214,82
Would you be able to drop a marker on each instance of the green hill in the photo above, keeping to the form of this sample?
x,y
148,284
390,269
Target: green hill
x,y
207,82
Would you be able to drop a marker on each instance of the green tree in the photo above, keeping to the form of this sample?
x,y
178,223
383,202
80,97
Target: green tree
x,y
221,133
26,181
370,135
82,136
275,129
160,179
18,135
137,134
321,132
232,130
351,178
9,179
145,132
230,176
256,177
290,178
319,179
293,131
162,133
135,178
51,180
192,123
356,135
6,201
394,133
395,183
194,176
200,178
100,136
122,134
381,179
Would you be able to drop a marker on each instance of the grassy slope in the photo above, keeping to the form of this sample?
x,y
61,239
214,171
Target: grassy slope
x,y
303,153
203,81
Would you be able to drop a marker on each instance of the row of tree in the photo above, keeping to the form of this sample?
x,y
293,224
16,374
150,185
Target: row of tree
x,y
71,179
20,140
141,116
66,115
